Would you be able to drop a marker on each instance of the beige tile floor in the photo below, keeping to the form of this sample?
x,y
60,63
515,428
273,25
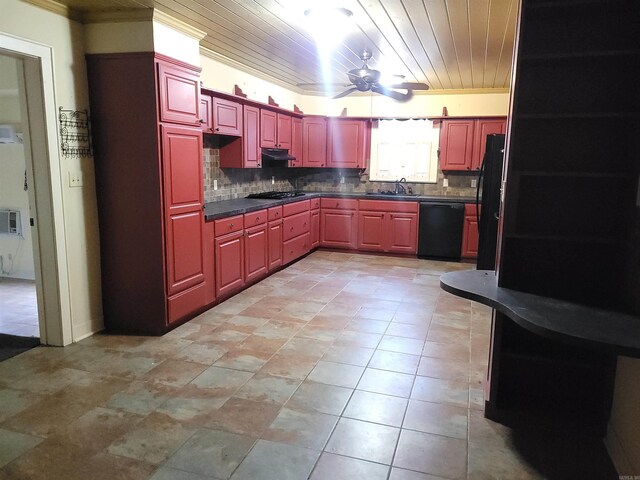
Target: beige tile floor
x,y
340,366
18,307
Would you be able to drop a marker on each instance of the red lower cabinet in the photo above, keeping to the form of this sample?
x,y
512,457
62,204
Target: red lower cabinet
x,y
229,253
388,226
470,233
295,230
256,253
371,231
339,223
403,233
314,229
295,248
275,245
209,263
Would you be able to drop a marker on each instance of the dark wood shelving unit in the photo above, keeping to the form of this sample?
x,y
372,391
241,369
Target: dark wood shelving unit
x,y
570,223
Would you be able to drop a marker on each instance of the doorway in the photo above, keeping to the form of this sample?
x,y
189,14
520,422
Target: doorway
x,y
18,298
41,241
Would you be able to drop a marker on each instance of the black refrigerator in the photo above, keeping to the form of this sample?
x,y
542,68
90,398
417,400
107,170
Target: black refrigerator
x,y
490,182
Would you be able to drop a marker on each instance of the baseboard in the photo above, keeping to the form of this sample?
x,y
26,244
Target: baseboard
x,y
86,329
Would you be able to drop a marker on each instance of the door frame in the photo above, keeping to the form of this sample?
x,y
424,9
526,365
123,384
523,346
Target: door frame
x,y
41,143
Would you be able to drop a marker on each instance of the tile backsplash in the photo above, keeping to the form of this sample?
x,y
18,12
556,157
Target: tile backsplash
x,y
238,182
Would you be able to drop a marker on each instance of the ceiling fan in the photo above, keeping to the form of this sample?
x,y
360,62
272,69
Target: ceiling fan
x,y
367,79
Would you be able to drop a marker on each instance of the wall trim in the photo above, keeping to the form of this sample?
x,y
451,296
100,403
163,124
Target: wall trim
x,y
178,25
57,8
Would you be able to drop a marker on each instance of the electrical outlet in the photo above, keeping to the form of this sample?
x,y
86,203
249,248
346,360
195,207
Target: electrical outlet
x,y
341,179
75,179
215,184
474,183
273,180
445,182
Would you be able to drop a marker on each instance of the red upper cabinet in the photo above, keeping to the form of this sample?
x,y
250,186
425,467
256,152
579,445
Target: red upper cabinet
x,y
268,129
206,122
456,144
347,140
284,131
484,127
252,154
179,90
296,142
314,142
227,117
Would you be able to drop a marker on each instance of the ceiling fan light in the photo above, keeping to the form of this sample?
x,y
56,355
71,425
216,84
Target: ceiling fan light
x,y
328,25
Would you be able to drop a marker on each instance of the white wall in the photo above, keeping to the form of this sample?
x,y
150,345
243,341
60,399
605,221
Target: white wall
x,y
66,38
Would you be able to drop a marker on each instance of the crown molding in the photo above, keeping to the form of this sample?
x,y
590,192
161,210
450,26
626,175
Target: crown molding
x,y
57,8
119,16
179,25
251,71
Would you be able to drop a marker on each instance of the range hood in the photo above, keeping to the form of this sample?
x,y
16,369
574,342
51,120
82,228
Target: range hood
x,y
277,157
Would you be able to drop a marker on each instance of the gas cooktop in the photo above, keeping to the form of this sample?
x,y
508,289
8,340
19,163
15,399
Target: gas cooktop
x,y
275,195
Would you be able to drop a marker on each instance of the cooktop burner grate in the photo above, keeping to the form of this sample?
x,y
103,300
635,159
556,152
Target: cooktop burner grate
x,y
275,195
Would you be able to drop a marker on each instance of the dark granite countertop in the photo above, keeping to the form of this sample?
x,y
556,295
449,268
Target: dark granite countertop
x,y
549,317
227,208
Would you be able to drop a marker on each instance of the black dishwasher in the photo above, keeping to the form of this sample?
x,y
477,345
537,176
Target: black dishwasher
x,y
440,230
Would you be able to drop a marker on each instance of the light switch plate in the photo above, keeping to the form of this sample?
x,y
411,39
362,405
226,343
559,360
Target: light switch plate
x,y
474,183
445,182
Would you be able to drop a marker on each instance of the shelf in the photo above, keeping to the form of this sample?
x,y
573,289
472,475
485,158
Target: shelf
x,y
568,322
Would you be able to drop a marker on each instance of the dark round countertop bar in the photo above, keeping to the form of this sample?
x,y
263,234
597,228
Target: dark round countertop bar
x,y
555,319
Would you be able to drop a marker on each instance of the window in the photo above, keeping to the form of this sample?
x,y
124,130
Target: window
x,y
404,148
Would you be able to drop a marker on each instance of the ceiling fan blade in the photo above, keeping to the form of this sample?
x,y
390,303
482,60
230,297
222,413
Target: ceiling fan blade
x,y
410,86
346,92
391,93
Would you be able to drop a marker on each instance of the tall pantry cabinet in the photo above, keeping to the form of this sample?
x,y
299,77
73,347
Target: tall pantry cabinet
x,y
148,154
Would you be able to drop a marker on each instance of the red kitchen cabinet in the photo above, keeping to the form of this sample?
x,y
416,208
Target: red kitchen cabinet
x,y
348,143
470,233
403,233
314,142
226,117
314,229
149,142
229,254
275,244
179,90
268,128
484,127
339,223
388,226
295,230
456,144
296,142
244,152
371,231
206,122
284,131
256,253
209,263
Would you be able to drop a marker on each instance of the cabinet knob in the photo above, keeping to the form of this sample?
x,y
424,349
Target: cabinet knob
x,y
292,229
257,219
201,121
322,164
231,225
217,129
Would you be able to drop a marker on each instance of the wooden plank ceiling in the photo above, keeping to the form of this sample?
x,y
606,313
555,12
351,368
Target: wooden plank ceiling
x,y
448,44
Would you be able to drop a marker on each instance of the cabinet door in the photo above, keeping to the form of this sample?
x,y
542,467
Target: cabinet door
x,y
314,230
275,244
484,127
229,254
179,90
456,144
268,129
284,131
227,117
314,142
184,220
209,263
256,253
338,228
470,237
206,122
346,140
402,233
296,142
252,154
371,231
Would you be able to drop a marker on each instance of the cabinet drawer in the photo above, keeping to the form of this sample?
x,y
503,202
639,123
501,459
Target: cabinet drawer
x,y
470,209
388,206
228,225
187,303
295,248
296,225
315,203
275,213
293,208
255,218
339,203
